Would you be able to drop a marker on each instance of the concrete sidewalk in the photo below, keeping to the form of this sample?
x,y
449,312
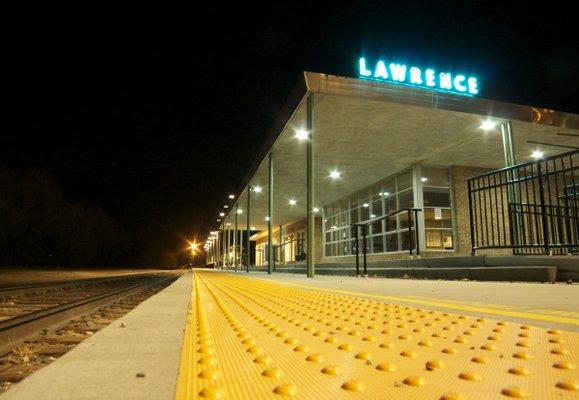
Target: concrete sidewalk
x,y
105,366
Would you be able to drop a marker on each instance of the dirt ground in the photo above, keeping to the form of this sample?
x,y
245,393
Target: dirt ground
x,y
24,276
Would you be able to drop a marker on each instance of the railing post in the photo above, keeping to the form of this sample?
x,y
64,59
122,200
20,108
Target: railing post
x,y
417,233
470,208
410,245
365,249
357,251
543,210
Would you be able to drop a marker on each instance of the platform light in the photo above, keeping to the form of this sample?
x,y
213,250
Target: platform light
x,y
301,134
335,174
222,214
239,211
218,220
257,189
292,202
424,179
366,205
487,125
225,206
316,209
384,194
372,215
537,154
231,196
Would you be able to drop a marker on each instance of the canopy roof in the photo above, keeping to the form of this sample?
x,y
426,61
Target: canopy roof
x,y
368,130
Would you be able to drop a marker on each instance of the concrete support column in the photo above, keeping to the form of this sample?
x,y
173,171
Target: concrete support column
x,y
235,231
418,193
270,217
248,226
311,267
227,244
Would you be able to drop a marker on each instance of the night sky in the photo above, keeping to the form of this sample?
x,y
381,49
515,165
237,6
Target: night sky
x,y
156,115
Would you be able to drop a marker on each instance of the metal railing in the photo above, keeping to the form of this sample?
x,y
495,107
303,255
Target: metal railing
x,y
529,208
364,227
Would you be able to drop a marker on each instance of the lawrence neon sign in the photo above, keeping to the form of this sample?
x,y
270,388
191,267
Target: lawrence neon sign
x,y
413,76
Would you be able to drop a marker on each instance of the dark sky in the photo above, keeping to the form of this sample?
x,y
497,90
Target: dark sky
x,y
156,115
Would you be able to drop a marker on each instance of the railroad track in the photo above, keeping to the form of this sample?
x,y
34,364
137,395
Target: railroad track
x,y
28,313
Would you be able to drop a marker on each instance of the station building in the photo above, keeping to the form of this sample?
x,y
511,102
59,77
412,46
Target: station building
x,y
403,163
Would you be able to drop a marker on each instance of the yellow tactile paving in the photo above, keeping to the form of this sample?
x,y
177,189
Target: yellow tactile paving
x,y
251,339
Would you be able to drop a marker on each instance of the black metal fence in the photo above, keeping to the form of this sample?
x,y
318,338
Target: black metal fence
x,y
530,208
363,226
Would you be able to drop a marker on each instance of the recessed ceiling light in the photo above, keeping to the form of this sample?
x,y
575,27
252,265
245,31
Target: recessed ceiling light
x,y
366,205
488,124
231,196
222,214
335,174
257,189
537,154
384,193
301,134
218,220
292,202
225,206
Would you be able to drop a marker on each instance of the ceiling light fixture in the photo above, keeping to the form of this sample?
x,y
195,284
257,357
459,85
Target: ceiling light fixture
x,y
487,125
292,202
257,189
537,154
335,174
301,134
231,196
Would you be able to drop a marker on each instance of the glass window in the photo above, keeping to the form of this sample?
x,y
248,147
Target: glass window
x,y
378,244
404,180
435,177
392,242
436,197
385,197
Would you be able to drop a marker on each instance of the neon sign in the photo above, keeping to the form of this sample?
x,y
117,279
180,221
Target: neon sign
x,y
426,78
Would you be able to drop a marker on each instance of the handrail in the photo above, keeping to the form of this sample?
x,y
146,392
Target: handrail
x,y
365,224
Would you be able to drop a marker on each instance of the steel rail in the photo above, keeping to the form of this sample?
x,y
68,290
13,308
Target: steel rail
x,y
12,291
18,329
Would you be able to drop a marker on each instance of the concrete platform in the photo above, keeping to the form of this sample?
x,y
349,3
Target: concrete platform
x,y
105,366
